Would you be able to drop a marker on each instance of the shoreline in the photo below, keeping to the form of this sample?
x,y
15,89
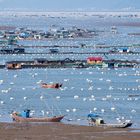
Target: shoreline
x,y
60,131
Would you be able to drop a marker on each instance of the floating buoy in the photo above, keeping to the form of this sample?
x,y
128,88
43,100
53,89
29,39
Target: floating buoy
x,y
43,113
24,98
15,76
11,98
104,99
76,97
133,111
101,79
2,102
41,97
112,108
57,97
102,110
82,89
66,80
1,82
95,109
67,110
74,109
84,99
12,83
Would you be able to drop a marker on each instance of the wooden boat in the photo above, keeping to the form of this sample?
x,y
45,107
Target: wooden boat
x,y
56,85
16,117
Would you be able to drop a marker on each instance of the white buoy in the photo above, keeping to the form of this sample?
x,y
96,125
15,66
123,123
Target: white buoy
x,y
74,109
112,108
102,110
90,72
82,89
47,112
108,96
66,80
15,76
2,102
41,97
84,99
104,99
101,79
12,83
57,97
1,82
43,113
76,97
133,111
24,98
108,80
67,110
11,98
95,109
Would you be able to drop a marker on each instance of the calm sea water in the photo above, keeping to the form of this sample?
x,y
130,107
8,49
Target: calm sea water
x,y
103,91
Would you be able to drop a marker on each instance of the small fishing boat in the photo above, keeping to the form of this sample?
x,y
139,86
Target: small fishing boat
x,y
56,85
95,120
18,118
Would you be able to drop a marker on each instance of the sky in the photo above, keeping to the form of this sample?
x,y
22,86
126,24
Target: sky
x,y
54,5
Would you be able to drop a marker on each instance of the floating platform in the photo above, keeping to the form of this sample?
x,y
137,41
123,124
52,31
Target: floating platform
x,y
68,63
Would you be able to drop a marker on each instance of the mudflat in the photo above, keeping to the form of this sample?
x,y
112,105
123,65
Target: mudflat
x,y
59,131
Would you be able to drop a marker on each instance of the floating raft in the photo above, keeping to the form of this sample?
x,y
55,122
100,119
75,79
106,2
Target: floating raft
x,y
68,63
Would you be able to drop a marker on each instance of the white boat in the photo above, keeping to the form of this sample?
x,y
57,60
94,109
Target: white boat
x,y
95,120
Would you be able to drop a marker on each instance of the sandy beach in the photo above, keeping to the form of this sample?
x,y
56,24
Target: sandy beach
x,y
59,131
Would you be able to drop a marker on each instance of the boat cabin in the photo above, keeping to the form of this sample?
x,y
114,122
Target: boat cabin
x,y
13,65
95,119
94,60
123,50
40,61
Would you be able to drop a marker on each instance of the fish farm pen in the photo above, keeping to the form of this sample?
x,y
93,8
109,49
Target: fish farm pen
x,y
68,63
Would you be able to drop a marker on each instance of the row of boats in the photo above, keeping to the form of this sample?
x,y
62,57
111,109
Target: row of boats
x,y
93,119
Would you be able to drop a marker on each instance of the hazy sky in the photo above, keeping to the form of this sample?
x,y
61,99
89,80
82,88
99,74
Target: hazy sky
x,y
69,4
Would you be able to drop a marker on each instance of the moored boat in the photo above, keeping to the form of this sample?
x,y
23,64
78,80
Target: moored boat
x,y
56,85
18,118
95,120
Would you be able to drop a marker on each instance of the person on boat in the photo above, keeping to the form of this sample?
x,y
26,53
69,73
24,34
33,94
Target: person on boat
x,y
95,119
57,85
26,113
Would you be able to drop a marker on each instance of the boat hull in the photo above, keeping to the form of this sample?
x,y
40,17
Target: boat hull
x,y
47,119
121,125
